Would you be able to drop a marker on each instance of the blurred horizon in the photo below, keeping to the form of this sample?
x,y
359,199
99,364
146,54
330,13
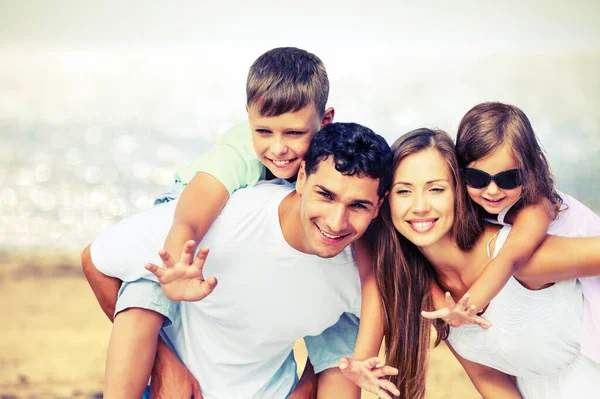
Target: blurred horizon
x,y
100,103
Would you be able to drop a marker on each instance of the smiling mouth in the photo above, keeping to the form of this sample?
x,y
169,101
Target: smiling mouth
x,y
494,201
422,226
331,237
281,163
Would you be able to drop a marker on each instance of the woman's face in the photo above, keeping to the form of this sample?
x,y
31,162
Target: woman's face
x,y
422,198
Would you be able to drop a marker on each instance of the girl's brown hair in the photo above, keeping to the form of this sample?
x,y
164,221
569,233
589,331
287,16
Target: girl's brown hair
x,y
487,127
405,276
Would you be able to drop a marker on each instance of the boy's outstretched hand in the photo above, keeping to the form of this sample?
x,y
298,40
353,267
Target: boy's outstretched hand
x,y
183,280
368,376
458,314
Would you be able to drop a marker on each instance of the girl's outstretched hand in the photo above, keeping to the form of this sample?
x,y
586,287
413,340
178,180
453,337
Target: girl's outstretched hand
x,y
370,377
184,280
458,314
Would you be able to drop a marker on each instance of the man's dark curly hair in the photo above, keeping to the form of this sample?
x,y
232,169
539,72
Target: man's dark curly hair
x,y
356,150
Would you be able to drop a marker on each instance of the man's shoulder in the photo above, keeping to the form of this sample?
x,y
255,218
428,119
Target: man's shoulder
x,y
251,200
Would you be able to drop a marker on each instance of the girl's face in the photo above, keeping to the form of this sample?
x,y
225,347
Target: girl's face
x,y
492,198
422,198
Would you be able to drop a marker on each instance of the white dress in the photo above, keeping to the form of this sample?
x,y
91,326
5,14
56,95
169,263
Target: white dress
x,y
534,337
577,220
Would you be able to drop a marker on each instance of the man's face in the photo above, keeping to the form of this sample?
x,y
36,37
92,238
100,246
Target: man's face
x,y
335,210
280,142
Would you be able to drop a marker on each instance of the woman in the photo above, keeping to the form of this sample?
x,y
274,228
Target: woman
x,y
430,232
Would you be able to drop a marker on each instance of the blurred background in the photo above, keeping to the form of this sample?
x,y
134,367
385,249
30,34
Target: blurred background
x,y
100,103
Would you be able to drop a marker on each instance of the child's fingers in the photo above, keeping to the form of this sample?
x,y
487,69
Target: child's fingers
x,y
208,286
187,252
201,258
436,314
464,301
154,269
449,301
481,322
166,258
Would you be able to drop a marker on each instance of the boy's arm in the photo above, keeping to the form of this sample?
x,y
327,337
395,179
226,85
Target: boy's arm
x,y
527,233
490,383
561,258
199,206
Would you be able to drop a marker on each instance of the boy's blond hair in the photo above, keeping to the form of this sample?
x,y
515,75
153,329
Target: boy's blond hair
x,y
287,79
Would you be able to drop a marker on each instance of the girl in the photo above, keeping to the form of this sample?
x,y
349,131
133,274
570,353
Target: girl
x,y
508,177
430,230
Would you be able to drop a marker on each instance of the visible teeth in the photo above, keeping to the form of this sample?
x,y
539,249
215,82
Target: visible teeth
x,y
280,163
422,225
329,235
495,200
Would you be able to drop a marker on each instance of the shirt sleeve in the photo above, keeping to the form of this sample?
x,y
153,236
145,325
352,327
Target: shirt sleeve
x,y
337,341
231,160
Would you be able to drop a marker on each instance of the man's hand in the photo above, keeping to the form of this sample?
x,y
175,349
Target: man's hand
x,y
183,280
458,314
367,375
170,378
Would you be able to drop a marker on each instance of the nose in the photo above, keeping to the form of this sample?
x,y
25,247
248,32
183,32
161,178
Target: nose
x,y
492,188
337,219
420,204
278,146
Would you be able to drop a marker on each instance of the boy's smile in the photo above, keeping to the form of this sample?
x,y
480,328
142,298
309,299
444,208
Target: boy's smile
x,y
281,141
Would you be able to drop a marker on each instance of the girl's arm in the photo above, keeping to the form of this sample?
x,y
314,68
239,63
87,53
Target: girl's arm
x,y
528,232
489,382
363,369
561,258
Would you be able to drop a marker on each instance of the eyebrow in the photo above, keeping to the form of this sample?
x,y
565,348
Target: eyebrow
x,y
356,201
410,184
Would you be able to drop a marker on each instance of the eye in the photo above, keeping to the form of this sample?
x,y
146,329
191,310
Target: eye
x,y
403,191
437,190
325,195
358,206
263,131
295,133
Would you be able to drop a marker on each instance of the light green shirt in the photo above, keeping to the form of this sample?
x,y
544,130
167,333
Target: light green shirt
x,y
231,160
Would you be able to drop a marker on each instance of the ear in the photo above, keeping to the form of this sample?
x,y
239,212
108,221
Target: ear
x,y
327,117
301,179
246,108
379,204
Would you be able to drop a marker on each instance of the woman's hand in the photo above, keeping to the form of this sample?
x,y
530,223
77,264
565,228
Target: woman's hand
x,y
370,377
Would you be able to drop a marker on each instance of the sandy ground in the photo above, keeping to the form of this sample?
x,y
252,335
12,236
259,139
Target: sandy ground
x,y
54,336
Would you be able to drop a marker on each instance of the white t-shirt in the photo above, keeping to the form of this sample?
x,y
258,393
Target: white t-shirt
x,y
269,294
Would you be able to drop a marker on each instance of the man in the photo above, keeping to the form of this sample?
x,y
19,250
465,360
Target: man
x,y
285,268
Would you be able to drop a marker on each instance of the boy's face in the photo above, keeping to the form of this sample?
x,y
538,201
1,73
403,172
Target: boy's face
x,y
335,209
281,141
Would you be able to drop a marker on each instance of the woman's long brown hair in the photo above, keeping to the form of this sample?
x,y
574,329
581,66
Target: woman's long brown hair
x,y
405,276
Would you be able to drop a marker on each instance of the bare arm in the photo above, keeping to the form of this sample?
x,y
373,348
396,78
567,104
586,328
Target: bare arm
x,y
199,206
333,384
370,331
527,233
489,382
561,258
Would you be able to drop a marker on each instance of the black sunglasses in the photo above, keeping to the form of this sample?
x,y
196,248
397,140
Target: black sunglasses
x,y
506,180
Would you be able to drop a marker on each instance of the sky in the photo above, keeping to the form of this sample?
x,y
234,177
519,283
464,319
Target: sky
x,y
394,26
